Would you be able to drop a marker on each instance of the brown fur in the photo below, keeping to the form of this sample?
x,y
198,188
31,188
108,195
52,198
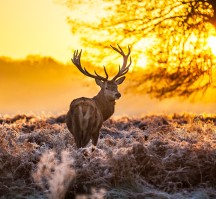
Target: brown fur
x,y
86,115
84,121
106,107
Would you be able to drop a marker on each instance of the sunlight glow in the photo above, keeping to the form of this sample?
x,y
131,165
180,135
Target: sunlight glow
x,y
142,61
212,44
140,48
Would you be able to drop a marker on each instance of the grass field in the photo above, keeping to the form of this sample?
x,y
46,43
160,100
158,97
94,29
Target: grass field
x,y
151,157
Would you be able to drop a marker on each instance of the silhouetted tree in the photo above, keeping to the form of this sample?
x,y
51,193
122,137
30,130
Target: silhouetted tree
x,y
180,62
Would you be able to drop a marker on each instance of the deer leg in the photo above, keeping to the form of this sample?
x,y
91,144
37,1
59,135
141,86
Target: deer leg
x,y
93,148
95,140
78,142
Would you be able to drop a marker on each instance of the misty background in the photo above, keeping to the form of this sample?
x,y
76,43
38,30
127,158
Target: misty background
x,y
43,85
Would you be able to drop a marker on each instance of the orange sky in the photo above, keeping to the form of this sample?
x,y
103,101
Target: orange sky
x,y
40,27
35,27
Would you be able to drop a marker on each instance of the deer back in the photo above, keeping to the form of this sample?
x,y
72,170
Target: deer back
x,y
83,120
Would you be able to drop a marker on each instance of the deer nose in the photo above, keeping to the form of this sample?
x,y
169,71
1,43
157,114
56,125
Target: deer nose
x,y
118,95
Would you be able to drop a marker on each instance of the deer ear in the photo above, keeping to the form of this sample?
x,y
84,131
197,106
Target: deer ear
x,y
99,82
120,80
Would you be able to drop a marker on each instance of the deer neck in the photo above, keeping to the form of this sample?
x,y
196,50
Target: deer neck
x,y
106,106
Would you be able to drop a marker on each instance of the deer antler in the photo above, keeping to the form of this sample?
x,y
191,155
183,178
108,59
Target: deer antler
x,y
77,63
124,68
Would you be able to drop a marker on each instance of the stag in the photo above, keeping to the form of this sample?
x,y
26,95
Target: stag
x,y
86,115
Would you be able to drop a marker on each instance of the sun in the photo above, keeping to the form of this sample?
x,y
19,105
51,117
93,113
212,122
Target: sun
x,y
212,44
140,48
142,61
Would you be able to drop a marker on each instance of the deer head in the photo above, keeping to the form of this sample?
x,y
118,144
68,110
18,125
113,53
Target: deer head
x,y
108,87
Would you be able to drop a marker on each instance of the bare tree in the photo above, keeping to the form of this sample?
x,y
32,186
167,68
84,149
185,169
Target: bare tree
x,y
180,62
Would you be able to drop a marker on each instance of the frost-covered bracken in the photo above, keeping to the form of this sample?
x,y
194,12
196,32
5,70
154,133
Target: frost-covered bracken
x,y
156,156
